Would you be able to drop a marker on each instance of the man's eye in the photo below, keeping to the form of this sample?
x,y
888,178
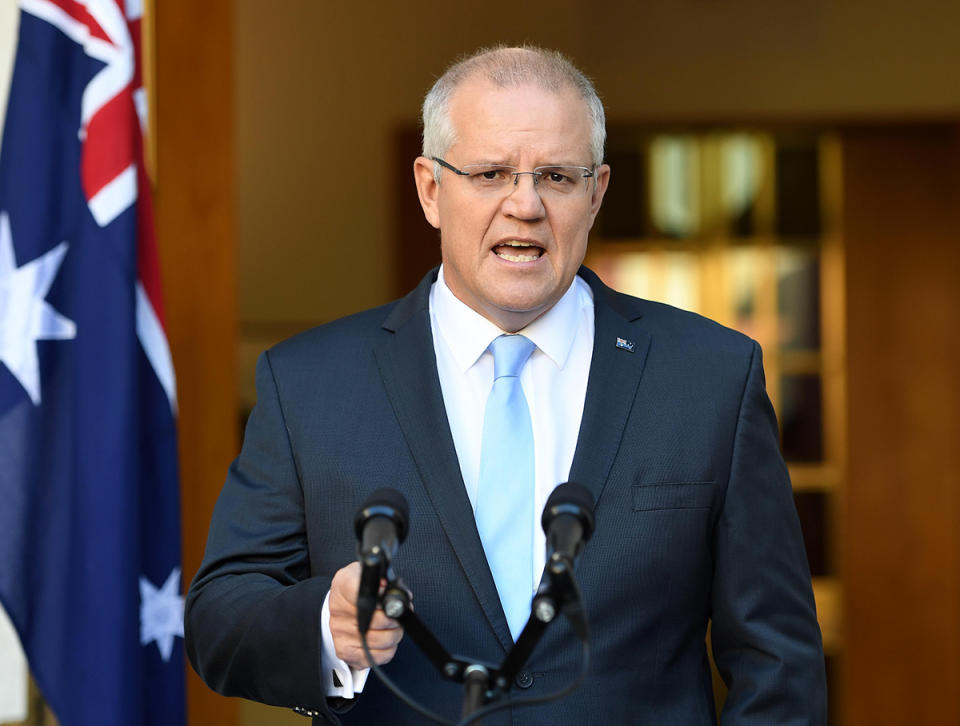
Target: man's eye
x,y
560,176
489,176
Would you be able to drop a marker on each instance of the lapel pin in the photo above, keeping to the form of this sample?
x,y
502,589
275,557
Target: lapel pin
x,y
625,344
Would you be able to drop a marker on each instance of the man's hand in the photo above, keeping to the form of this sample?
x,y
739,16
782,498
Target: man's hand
x,y
383,636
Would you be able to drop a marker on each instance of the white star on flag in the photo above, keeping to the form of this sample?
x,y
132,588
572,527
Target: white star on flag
x,y
25,317
161,613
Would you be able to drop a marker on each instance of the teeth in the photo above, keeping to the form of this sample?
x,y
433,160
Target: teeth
x,y
518,245
517,258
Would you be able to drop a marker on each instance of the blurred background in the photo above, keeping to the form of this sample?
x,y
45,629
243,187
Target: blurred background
x,y
789,169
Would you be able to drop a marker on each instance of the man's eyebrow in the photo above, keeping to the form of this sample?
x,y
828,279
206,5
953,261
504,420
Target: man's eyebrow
x,y
488,162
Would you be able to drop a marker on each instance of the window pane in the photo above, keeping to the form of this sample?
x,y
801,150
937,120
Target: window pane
x,y
798,298
675,185
623,211
798,190
814,519
742,176
801,418
743,272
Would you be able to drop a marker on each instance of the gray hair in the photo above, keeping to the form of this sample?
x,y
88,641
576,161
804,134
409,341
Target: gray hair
x,y
508,67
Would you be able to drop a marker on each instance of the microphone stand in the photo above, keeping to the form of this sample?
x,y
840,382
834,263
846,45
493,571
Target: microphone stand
x,y
484,683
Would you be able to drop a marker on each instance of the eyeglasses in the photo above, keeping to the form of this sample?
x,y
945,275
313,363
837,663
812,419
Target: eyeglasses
x,y
494,179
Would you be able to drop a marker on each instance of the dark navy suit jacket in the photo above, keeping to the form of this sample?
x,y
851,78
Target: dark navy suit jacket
x,y
695,523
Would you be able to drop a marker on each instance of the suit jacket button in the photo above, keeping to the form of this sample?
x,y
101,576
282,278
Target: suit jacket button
x,y
524,679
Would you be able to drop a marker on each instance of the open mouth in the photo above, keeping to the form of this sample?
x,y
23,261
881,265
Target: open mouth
x,y
517,251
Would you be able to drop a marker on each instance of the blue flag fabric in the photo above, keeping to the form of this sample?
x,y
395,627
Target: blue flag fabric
x,y
89,499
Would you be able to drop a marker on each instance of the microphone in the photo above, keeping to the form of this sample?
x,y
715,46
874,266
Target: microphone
x,y
568,522
381,525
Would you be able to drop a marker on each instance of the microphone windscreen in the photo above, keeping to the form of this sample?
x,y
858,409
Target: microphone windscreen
x,y
570,498
384,502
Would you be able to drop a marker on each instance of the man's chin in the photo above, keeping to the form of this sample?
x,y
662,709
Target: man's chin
x,y
513,314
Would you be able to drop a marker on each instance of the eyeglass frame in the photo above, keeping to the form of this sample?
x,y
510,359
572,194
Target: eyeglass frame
x,y
588,173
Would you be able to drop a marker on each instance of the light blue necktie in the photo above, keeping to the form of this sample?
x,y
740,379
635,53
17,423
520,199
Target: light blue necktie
x,y
505,491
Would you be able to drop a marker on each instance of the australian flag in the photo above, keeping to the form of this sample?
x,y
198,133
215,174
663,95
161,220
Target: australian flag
x,y
89,502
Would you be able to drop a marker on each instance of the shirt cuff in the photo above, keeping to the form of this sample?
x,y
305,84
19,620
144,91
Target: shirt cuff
x,y
340,680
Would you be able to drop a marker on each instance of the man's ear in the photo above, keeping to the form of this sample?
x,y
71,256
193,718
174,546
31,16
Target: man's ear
x,y
427,189
602,178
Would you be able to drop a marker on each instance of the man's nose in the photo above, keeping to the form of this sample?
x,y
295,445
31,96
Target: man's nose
x,y
523,200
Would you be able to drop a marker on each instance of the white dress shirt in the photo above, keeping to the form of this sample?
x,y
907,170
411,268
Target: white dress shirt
x,y
554,381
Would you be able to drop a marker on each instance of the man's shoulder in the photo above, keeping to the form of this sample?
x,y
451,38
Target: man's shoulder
x,y
679,327
686,325
685,344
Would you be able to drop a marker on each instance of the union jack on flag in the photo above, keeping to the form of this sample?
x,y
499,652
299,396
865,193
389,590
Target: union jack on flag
x,y
89,498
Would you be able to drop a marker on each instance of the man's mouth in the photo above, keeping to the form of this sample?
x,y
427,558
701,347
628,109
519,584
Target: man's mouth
x,y
517,251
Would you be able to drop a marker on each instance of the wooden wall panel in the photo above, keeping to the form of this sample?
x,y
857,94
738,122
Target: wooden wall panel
x,y
194,197
901,523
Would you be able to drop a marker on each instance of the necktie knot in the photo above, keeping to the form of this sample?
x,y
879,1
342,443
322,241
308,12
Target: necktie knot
x,y
510,352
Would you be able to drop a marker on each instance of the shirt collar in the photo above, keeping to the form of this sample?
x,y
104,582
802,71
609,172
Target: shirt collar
x,y
468,334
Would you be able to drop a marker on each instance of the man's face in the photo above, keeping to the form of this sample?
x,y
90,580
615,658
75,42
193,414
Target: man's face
x,y
524,127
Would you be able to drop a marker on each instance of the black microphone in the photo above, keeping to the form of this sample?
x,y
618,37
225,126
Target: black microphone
x,y
568,522
381,526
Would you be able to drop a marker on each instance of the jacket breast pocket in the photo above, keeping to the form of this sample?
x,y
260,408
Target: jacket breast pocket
x,y
672,495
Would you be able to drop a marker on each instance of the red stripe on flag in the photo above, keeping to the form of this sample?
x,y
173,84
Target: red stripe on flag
x,y
148,264
134,26
109,147
148,267
79,13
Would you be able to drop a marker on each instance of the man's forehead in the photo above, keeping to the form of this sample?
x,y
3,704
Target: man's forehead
x,y
479,88
480,107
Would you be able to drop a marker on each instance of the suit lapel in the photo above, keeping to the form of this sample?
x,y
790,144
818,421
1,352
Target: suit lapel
x,y
408,367
620,348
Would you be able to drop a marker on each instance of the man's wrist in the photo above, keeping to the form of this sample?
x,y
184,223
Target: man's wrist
x,y
340,680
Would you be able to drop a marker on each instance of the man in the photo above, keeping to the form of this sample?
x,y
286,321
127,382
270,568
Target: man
x,y
661,414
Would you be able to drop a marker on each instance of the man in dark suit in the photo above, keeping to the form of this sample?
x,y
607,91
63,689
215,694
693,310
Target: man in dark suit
x,y
661,414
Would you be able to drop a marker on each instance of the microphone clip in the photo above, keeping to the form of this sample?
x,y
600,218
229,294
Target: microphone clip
x,y
559,593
